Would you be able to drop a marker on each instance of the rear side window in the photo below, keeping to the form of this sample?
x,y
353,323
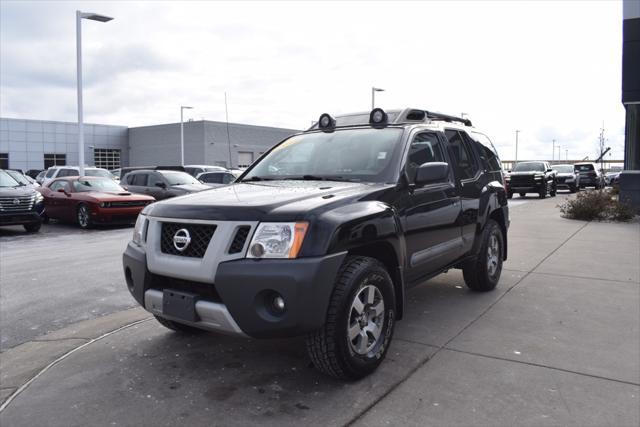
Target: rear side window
x,y
488,154
50,173
154,179
67,172
425,148
463,158
139,179
213,178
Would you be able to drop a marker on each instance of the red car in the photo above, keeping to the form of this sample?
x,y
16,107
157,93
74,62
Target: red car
x,y
91,200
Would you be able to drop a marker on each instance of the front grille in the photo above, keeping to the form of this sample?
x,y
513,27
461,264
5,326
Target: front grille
x,y
561,180
16,204
522,181
206,291
239,240
127,204
200,237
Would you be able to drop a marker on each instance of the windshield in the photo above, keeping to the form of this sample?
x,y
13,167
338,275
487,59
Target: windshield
x,y
97,185
98,172
179,178
6,180
584,168
19,177
370,155
529,167
564,168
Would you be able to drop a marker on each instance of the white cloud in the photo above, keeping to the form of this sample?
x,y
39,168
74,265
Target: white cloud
x,y
551,69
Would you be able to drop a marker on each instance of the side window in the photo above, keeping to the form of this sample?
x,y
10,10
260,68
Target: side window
x,y
140,179
425,148
50,173
228,178
489,156
55,186
463,158
154,179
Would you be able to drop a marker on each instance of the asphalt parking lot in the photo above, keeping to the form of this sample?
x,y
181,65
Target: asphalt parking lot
x,y
557,343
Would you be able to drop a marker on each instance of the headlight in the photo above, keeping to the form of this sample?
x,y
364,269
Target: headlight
x,y
277,240
38,198
538,176
140,230
105,204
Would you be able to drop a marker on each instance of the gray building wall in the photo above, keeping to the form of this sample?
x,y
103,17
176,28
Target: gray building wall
x,y
205,142
26,141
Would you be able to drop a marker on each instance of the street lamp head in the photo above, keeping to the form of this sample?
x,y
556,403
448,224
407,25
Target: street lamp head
x,y
96,17
186,108
377,89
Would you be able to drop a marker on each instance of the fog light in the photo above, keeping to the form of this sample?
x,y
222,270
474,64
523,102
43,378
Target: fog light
x,y
278,304
257,250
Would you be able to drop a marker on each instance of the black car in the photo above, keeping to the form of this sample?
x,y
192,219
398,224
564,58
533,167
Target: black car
x,y
323,235
532,177
20,204
567,177
161,184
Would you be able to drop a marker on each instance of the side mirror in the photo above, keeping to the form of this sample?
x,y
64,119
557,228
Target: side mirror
x,y
161,185
549,170
432,172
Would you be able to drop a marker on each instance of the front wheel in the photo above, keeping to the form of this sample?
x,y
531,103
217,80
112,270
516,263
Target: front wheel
x,y
33,227
554,190
482,273
359,324
543,192
522,194
84,217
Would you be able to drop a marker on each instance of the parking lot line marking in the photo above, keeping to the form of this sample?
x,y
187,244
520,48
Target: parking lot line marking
x,y
60,359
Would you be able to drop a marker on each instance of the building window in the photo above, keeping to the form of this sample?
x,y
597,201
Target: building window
x,y
53,159
4,160
106,158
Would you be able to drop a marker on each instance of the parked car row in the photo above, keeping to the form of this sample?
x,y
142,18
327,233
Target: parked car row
x,y
99,197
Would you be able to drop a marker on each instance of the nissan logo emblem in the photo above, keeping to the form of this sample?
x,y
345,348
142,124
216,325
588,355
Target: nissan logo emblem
x,y
16,201
181,239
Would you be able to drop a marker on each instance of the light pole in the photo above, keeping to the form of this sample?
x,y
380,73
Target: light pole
x,y
373,96
559,152
517,132
182,108
553,151
566,154
79,16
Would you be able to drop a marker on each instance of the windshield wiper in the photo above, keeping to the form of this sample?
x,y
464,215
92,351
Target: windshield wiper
x,y
256,178
306,178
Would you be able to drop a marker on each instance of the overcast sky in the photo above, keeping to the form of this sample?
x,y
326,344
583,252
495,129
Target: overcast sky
x,y
551,69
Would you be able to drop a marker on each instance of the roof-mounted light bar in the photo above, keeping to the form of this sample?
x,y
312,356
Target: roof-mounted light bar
x,y
326,123
378,118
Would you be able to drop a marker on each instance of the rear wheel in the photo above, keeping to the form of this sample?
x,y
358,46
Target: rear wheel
x,y
543,192
359,324
84,216
178,327
33,227
522,194
483,272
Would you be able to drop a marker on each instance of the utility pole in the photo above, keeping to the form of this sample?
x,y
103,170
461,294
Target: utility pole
x,y
566,154
373,96
517,132
553,151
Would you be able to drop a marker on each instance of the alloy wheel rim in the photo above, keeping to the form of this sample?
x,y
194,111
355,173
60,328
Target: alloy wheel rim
x,y
366,318
493,255
83,216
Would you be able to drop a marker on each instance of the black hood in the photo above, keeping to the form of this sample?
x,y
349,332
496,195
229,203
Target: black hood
x,y
264,201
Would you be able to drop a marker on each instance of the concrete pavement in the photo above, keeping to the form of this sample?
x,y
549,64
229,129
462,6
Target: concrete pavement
x,y
557,343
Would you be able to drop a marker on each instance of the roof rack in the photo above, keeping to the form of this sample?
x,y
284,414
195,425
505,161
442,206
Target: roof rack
x,y
414,114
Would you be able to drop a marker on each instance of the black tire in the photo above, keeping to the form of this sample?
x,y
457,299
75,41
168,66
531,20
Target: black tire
x,y
476,271
178,327
32,227
543,193
522,194
509,195
573,189
554,190
330,349
83,219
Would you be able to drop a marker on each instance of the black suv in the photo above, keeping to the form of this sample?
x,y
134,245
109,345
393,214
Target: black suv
x,y
532,177
325,232
20,204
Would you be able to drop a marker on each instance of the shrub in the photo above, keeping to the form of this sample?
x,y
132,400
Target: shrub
x,y
596,205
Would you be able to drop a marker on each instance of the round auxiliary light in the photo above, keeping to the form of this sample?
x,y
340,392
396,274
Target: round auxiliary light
x,y
326,121
278,303
378,116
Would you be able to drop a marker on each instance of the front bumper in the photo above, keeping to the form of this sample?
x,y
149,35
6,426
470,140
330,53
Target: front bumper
x,y
21,218
238,301
125,215
530,188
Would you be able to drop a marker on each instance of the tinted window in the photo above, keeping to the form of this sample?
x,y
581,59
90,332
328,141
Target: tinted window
x,y
96,185
564,168
487,151
212,178
530,167
462,156
425,148
139,179
55,186
50,173
154,179
67,172
179,178
584,168
192,171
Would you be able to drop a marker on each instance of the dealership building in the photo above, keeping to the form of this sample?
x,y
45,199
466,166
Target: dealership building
x,y
39,144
